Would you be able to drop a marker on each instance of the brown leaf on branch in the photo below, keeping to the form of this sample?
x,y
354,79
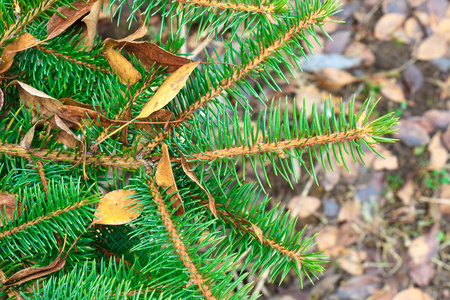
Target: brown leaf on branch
x,y
188,170
117,207
90,25
164,178
168,90
81,114
148,53
23,42
25,143
122,67
162,115
58,24
9,208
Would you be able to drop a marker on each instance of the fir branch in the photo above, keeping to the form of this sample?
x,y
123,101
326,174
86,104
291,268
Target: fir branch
x,y
262,9
260,148
101,160
74,60
29,17
43,218
41,171
196,277
241,72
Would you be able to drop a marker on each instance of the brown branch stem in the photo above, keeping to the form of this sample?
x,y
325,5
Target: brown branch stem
x,y
263,9
196,277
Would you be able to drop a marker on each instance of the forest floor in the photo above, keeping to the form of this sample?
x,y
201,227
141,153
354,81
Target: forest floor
x,y
386,225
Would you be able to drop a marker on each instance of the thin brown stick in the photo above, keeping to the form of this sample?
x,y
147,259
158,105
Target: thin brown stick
x,y
74,60
196,277
238,74
102,160
263,9
40,168
41,219
283,145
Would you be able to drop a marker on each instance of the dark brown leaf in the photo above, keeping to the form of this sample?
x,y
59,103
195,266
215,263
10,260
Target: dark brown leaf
x,y
58,24
81,114
164,178
9,206
71,102
188,170
148,53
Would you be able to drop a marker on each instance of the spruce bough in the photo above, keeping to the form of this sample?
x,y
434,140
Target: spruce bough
x,y
81,117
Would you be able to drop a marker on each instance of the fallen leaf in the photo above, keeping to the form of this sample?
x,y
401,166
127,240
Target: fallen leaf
x,y
2,99
188,170
359,287
446,139
444,28
421,251
71,102
334,79
438,154
389,162
338,41
413,29
23,42
412,294
406,192
90,25
362,51
58,24
117,207
334,240
163,115
25,143
439,118
122,67
351,261
349,211
391,90
9,209
387,24
412,133
308,205
413,78
437,10
329,179
148,53
168,89
164,178
432,47
81,114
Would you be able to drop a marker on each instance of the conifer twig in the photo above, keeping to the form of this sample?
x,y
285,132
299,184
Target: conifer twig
x,y
263,9
239,74
178,244
40,168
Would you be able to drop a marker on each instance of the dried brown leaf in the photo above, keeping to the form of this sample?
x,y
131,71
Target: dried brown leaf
x,y
308,205
58,24
387,24
23,42
162,115
351,261
124,69
259,233
433,47
117,207
168,89
148,53
71,102
9,209
389,162
90,25
164,178
25,143
412,294
413,78
188,170
334,79
439,155
2,99
391,90
406,192
60,123
81,114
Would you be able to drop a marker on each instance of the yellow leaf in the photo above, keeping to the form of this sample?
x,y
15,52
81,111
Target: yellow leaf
x,y
164,178
23,42
117,207
124,69
168,89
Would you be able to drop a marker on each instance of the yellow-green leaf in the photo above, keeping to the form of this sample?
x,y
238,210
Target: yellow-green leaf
x,y
168,89
117,207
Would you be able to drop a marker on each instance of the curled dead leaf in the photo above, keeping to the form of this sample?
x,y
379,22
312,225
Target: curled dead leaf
x,y
2,99
90,25
259,233
148,53
25,143
334,79
188,170
164,178
117,207
122,67
9,209
168,89
58,24
23,42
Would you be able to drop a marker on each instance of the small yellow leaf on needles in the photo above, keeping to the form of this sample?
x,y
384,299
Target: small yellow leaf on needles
x,y
117,207
168,89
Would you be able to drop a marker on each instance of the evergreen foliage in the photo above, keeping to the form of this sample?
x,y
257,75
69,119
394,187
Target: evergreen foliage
x,y
56,164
